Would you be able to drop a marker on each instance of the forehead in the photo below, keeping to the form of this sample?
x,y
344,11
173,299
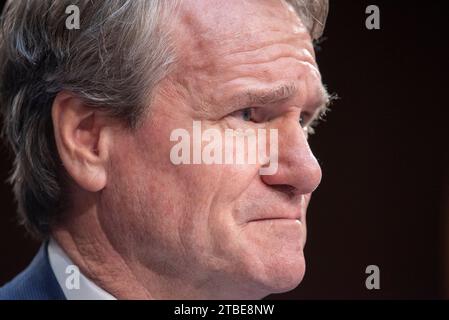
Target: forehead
x,y
213,29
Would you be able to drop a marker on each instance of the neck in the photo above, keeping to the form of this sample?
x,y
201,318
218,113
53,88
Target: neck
x,y
98,260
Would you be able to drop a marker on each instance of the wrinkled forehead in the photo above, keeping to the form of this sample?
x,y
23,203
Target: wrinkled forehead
x,y
209,28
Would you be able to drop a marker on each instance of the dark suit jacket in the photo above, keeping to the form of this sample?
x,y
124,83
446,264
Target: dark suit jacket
x,y
36,282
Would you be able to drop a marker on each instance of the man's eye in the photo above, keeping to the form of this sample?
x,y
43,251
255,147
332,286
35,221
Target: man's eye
x,y
306,124
303,121
246,114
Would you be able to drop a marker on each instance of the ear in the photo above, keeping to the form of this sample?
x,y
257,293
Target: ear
x,y
82,136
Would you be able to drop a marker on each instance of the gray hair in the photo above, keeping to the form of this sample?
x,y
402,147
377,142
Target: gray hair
x,y
113,62
313,14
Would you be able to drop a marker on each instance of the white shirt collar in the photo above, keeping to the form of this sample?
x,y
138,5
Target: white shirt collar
x,y
64,270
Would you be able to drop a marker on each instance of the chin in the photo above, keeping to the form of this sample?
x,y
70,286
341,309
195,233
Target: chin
x,y
288,280
283,275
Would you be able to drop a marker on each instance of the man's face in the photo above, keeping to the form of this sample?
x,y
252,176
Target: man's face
x,y
222,230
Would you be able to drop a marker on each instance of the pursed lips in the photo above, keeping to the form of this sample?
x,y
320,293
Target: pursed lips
x,y
295,217
293,210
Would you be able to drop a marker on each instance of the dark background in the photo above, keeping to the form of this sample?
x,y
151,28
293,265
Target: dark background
x,y
384,198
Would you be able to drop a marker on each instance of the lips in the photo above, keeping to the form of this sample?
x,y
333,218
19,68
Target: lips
x,y
267,208
293,217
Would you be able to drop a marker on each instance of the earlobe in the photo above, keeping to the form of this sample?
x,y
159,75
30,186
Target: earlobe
x,y
81,136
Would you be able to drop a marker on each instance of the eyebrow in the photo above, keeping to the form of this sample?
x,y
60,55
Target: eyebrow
x,y
273,95
261,97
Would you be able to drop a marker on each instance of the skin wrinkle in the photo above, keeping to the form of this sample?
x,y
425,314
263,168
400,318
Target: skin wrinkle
x,y
129,267
88,258
210,259
257,260
270,52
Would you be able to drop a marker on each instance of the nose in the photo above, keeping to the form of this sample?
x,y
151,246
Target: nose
x,y
298,169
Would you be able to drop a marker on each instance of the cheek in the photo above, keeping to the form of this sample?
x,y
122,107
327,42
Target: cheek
x,y
166,203
208,196
143,196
